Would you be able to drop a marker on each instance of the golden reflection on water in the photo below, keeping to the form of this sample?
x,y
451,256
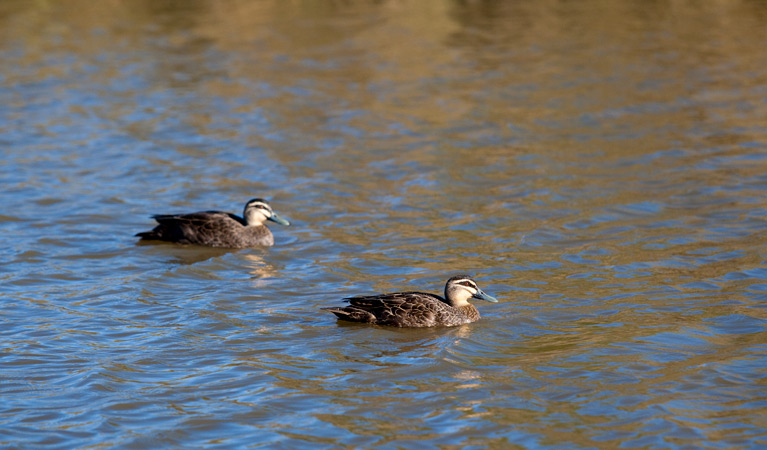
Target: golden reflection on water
x,y
260,269
372,54
597,164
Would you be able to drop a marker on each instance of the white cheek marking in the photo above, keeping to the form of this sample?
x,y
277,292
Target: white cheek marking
x,y
257,215
464,295
265,211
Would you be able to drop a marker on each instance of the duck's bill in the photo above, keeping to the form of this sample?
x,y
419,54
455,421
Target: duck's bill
x,y
488,298
278,219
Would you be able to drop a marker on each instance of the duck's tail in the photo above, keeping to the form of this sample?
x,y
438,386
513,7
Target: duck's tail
x,y
352,314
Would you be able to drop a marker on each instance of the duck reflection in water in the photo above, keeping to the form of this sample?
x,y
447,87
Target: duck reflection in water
x,y
218,229
417,309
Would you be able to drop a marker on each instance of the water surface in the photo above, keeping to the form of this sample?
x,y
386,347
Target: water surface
x,y
601,167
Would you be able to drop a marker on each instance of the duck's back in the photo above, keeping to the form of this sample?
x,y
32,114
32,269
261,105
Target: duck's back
x,y
404,309
209,228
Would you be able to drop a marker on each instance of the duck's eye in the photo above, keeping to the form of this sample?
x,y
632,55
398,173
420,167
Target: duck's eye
x,y
468,284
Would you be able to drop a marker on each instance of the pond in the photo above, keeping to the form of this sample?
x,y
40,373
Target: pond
x,y
599,167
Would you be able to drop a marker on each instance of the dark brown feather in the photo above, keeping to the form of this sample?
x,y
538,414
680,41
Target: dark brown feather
x,y
405,309
209,228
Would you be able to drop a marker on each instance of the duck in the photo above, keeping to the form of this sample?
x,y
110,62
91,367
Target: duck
x,y
417,309
217,228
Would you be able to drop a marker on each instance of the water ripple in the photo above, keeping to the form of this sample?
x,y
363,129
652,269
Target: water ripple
x,y
615,208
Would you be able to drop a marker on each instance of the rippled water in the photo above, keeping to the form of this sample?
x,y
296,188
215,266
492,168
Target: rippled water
x,y
601,167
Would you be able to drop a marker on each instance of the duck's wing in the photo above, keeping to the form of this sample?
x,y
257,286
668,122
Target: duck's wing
x,y
402,309
392,299
204,227
200,218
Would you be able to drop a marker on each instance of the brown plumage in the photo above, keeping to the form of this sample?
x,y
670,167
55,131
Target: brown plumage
x,y
217,228
417,309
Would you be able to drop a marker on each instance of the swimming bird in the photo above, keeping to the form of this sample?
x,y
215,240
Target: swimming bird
x,y
417,309
218,229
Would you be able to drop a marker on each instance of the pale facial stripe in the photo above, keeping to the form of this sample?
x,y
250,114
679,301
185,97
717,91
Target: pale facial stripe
x,y
465,282
261,205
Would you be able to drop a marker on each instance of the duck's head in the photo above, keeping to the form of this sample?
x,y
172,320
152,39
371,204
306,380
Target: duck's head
x,y
459,289
258,211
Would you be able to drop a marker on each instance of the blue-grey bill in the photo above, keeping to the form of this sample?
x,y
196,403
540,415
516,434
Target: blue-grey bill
x,y
482,296
278,219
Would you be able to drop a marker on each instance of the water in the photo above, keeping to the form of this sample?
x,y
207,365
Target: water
x,y
601,168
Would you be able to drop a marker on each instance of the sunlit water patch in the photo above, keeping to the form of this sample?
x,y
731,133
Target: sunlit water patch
x,y
603,175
